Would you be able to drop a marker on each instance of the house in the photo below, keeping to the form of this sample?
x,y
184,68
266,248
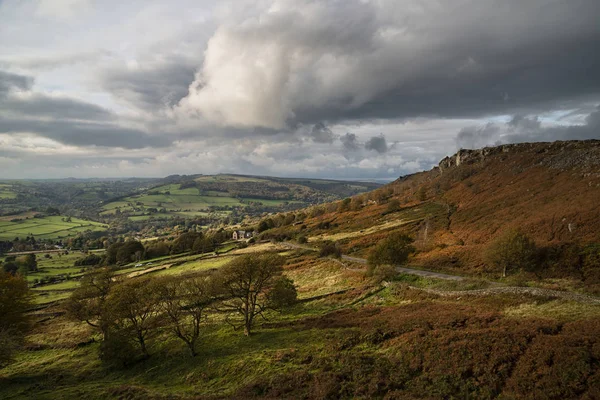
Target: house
x,y
239,235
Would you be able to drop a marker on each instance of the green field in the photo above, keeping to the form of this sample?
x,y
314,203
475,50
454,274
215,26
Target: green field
x,y
6,191
186,202
54,227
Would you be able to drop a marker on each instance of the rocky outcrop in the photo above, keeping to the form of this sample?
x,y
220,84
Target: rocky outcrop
x,y
562,155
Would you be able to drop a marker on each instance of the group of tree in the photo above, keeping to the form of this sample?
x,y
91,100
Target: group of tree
x,y
132,313
22,264
131,250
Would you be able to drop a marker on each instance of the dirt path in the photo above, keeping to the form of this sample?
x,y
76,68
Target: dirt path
x,y
428,274
531,291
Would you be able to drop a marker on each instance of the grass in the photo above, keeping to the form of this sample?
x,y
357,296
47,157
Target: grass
x,y
57,266
181,202
360,344
52,227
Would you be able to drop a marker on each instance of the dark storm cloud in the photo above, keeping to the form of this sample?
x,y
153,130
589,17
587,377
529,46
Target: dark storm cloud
x,y
527,129
9,82
377,143
399,60
151,87
350,142
320,133
85,133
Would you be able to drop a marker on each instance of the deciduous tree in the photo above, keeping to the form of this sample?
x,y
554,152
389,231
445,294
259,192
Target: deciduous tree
x,y
245,282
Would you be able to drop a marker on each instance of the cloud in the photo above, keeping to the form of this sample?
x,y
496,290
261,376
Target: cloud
x,y
11,82
61,9
150,85
66,120
473,137
349,142
320,133
38,105
377,143
86,133
522,129
309,61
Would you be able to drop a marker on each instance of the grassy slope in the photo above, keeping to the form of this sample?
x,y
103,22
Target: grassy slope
x,y
364,343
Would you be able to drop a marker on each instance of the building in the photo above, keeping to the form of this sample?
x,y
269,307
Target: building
x,y
239,235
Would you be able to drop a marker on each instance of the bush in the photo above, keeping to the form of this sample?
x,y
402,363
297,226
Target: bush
x,y
283,294
512,251
330,249
394,250
302,239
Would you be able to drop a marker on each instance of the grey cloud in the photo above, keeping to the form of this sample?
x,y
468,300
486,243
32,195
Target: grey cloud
x,y
473,137
9,82
39,105
151,87
320,133
527,129
395,61
377,143
85,133
350,142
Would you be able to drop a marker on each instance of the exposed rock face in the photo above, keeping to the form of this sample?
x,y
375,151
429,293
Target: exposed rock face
x,y
581,154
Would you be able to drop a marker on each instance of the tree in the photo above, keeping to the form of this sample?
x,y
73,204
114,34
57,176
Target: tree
x,y
245,282
393,206
330,249
15,300
28,262
184,302
512,250
344,205
10,267
88,302
283,294
133,311
393,250
123,253
185,242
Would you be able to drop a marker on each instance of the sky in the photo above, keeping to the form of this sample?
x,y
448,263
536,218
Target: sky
x,y
347,89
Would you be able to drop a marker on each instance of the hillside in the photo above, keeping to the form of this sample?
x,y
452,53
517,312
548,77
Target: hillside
x,y
549,191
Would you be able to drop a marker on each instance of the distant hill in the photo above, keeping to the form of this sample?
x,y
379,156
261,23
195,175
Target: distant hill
x,y
227,194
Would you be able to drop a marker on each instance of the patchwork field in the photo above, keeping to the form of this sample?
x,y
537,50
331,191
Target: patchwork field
x,y
54,227
170,200
6,191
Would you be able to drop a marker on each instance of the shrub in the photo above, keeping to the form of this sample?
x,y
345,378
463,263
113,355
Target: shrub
x,y
302,239
330,249
511,251
283,294
394,250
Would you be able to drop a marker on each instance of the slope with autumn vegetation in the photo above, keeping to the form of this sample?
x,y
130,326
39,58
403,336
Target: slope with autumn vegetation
x,y
548,191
